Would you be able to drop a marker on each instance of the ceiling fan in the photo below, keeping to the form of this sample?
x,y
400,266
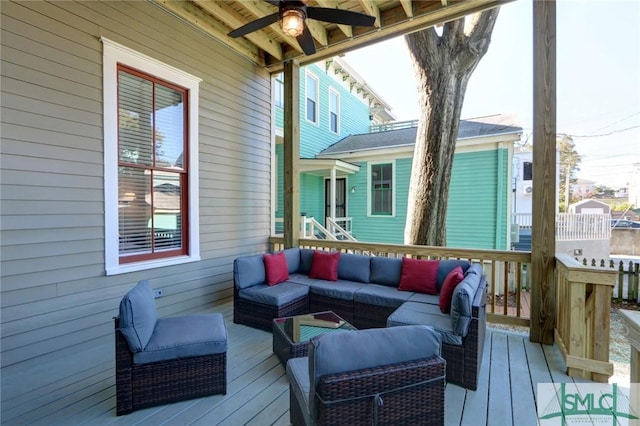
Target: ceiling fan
x,y
292,15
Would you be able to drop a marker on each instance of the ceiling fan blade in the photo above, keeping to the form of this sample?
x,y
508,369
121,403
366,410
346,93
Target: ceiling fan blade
x,y
305,40
254,25
338,16
275,3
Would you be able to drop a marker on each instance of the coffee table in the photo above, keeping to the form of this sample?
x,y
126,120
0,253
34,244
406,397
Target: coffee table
x,y
291,335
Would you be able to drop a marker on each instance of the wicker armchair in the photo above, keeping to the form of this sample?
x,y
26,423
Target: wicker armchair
x,y
183,357
409,391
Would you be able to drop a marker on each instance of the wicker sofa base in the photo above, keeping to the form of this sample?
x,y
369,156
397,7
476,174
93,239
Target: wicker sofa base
x,y
158,383
343,308
411,393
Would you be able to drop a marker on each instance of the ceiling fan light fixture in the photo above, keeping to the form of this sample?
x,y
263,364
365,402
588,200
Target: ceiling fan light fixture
x,y
292,22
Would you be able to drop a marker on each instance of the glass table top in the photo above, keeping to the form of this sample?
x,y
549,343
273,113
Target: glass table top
x,y
302,328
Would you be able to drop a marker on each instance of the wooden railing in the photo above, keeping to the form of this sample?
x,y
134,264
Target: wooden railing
x,y
583,303
506,271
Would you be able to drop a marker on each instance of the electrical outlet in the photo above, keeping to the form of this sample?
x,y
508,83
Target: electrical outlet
x,y
158,293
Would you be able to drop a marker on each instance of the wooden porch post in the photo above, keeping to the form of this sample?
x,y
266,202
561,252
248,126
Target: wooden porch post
x,y
543,243
291,154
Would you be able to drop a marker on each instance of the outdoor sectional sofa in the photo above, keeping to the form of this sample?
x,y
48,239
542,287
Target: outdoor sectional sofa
x,y
366,294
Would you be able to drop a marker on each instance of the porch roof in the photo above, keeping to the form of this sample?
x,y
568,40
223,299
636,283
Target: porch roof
x,y
495,125
323,166
270,47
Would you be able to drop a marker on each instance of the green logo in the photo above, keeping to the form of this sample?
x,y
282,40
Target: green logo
x,y
569,403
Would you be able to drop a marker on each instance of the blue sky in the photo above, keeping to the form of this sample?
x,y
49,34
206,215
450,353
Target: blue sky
x,y
598,79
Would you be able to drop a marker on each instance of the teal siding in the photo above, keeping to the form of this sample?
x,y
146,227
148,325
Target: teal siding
x,y
477,210
354,114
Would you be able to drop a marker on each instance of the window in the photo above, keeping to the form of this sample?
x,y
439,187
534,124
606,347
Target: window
x,y
527,171
312,98
279,90
381,189
151,163
334,111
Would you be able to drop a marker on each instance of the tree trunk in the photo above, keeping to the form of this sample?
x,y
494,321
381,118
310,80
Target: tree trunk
x,y
442,66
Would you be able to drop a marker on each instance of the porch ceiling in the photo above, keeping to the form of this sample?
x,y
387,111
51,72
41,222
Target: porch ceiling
x,y
270,47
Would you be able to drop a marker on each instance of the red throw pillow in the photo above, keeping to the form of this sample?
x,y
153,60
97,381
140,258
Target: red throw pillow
x,y
324,265
446,292
275,265
419,276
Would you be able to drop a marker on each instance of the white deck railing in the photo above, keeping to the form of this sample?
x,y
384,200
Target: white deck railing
x,y
340,228
574,226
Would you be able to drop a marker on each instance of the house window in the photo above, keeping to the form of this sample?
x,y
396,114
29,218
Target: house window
x,y
312,98
527,171
151,169
382,189
279,90
334,111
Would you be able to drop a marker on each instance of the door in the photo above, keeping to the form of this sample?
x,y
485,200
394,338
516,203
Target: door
x,y
341,198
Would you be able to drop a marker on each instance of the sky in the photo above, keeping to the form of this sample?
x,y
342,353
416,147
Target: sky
x,y
598,80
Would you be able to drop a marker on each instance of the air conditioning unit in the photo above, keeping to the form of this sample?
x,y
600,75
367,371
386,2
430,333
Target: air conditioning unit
x,y
515,233
527,189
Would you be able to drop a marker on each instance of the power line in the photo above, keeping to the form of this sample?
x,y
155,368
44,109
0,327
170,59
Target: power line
x,y
605,134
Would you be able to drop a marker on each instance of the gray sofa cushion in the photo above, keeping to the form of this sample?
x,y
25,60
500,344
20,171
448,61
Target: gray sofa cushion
x,y
386,271
412,313
298,375
138,316
446,265
248,271
354,267
354,350
306,259
276,295
293,259
183,337
379,295
430,299
462,300
343,290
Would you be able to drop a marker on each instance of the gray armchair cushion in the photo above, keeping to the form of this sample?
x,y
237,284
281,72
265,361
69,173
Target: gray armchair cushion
x,y
249,271
298,375
276,295
138,316
446,265
184,337
354,350
354,267
462,300
386,271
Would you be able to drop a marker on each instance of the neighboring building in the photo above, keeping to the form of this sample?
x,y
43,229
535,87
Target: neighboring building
x,y
480,205
335,102
590,206
634,186
582,189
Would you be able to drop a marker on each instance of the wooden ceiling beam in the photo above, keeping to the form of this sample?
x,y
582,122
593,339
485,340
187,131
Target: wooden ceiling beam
x,y
347,30
196,17
235,20
372,9
407,5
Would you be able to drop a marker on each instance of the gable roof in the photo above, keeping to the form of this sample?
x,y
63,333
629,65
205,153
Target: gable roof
x,y
492,125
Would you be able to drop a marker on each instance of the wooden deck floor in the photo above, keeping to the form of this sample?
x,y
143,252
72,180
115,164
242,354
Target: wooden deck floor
x,y
258,392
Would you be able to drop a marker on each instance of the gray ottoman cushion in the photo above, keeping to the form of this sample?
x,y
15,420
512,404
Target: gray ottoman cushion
x,y
184,337
276,295
138,316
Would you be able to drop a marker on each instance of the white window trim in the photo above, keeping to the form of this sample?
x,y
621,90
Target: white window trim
x,y
393,188
334,91
317,99
113,55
